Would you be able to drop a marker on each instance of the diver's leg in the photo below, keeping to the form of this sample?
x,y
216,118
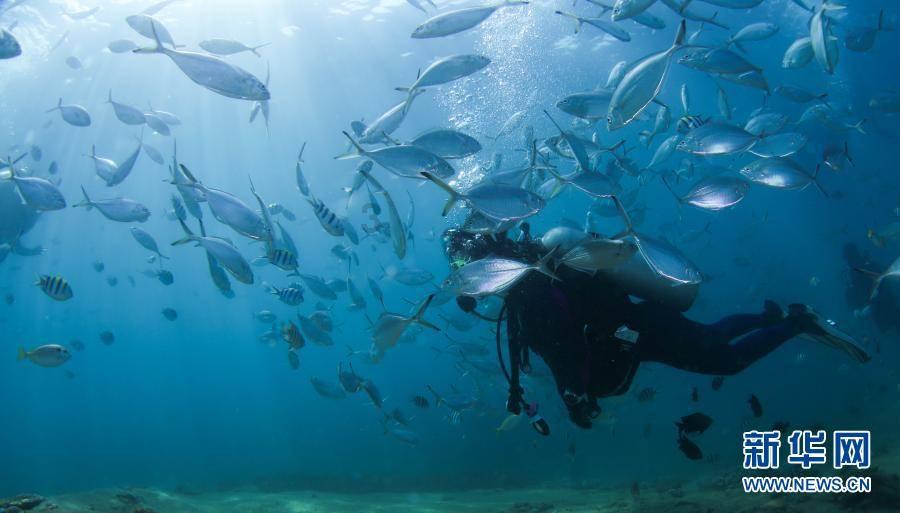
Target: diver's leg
x,y
733,326
679,342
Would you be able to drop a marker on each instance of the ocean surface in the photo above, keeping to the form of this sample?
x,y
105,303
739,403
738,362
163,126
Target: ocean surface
x,y
211,399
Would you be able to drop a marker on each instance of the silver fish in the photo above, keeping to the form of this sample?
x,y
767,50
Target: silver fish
x,y
391,326
39,193
594,255
302,184
717,139
624,9
498,202
641,84
146,240
75,115
49,355
448,69
212,73
447,144
779,145
590,105
124,168
126,113
224,254
329,221
406,160
229,47
780,173
610,28
122,46
454,22
490,276
799,54
318,286
713,193
122,210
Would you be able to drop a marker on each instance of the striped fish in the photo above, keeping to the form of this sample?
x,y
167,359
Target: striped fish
x,y
56,287
332,223
292,296
178,208
283,259
688,123
454,417
291,334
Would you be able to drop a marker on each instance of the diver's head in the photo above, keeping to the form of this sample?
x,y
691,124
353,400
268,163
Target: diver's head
x,y
462,246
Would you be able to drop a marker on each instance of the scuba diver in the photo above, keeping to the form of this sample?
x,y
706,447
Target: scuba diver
x,y
593,337
883,308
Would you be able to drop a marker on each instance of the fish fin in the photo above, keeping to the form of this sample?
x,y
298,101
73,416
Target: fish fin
x,y
109,97
188,175
87,200
815,181
668,186
454,195
858,126
255,48
58,106
418,317
159,46
847,154
682,29
554,122
576,19
872,274
300,155
543,265
22,354
359,149
186,239
629,227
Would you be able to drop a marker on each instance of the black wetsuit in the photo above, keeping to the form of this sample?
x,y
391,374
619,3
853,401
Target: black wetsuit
x,y
572,324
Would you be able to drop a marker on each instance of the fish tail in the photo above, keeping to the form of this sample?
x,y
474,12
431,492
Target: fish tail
x,y
543,265
109,97
437,398
859,126
575,18
682,29
815,181
847,154
359,149
255,48
454,196
22,354
87,200
58,106
159,46
629,227
668,186
418,317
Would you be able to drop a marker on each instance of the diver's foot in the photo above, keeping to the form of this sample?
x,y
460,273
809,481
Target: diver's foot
x,y
580,419
772,313
825,331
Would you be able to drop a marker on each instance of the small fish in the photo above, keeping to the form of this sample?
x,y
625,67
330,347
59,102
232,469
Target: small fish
x,y
717,382
493,275
291,335
420,402
229,47
460,20
755,406
695,423
165,277
170,313
265,316
511,422
695,395
107,338
713,193
374,394
498,202
122,46
291,296
73,62
689,448
391,326
302,184
75,115
329,221
283,259
798,54
146,240
55,287
123,210
50,355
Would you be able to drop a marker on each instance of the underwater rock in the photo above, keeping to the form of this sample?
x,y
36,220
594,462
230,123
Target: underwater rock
x,y
21,503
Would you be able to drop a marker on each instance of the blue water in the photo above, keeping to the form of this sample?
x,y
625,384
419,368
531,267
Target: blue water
x,y
201,402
